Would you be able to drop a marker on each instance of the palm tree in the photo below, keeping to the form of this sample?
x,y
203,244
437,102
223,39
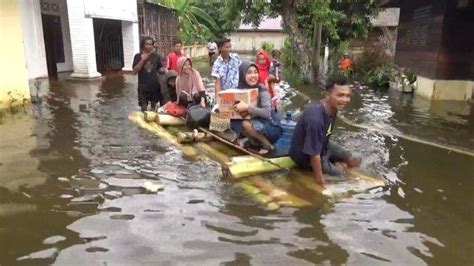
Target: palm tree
x,y
194,22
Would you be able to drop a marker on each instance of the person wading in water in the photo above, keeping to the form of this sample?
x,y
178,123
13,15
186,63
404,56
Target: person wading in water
x,y
310,146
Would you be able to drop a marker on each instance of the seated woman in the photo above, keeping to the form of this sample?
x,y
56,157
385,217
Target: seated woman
x,y
189,84
263,128
168,86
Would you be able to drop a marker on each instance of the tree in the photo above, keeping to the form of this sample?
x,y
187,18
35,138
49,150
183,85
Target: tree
x,y
308,22
194,23
199,20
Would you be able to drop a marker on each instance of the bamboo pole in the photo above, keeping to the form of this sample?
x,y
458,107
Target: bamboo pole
x,y
242,166
256,195
276,192
138,118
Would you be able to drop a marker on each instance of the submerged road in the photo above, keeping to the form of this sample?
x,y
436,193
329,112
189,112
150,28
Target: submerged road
x,y
72,168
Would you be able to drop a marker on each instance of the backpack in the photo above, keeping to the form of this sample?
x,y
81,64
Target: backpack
x,y
197,116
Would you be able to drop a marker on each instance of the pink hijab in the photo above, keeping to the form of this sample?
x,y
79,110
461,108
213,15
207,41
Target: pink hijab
x,y
189,83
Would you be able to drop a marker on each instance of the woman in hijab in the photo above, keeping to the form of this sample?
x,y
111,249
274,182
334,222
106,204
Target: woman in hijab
x,y
263,62
263,128
189,83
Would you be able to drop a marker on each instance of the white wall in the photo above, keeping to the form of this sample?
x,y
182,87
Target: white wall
x,y
33,40
194,51
67,65
82,41
131,45
248,41
111,9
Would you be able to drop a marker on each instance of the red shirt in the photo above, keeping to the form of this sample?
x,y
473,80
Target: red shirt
x,y
173,61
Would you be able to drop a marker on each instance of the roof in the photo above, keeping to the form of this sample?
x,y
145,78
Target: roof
x,y
267,24
388,17
157,4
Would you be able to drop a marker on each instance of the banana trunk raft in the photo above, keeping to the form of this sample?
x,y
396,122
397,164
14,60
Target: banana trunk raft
x,y
271,182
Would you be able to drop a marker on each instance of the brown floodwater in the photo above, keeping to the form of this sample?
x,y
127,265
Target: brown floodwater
x,y
72,168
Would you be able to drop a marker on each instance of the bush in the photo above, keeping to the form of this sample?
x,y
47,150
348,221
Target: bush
x,y
291,69
379,77
268,47
370,60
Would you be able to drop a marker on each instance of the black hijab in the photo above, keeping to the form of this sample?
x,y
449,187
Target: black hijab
x,y
244,66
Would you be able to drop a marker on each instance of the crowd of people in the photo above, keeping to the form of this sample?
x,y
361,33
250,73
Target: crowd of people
x,y
172,81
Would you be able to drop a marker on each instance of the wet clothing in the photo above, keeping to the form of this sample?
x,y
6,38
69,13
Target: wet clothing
x,y
227,72
148,85
311,137
173,61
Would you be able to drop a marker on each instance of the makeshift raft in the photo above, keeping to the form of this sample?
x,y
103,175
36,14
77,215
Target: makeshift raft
x,y
272,182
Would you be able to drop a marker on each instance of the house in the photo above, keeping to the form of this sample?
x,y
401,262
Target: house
x,y
249,39
84,37
435,40
383,32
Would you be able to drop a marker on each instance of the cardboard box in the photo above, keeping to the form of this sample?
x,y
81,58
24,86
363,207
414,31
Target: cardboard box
x,y
228,98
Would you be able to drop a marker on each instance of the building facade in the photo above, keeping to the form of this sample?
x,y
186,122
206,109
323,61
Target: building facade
x,y
250,39
45,37
435,40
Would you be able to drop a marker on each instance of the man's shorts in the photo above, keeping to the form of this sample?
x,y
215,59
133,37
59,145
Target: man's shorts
x,y
334,154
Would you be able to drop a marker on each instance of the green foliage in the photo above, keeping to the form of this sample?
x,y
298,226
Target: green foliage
x,y
379,77
341,20
268,47
198,20
337,72
290,63
369,60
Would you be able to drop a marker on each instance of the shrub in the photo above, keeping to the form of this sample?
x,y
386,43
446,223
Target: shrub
x,y
268,47
370,59
291,69
379,77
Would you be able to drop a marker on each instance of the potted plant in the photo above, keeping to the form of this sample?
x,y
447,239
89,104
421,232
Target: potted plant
x,y
408,80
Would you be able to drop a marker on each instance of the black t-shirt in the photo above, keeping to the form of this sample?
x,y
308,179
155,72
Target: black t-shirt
x,y
147,76
311,135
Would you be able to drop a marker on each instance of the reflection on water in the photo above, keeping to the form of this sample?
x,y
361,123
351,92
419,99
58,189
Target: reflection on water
x,y
79,190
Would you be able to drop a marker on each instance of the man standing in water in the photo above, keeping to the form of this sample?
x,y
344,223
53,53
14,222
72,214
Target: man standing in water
x,y
175,55
226,67
310,146
147,64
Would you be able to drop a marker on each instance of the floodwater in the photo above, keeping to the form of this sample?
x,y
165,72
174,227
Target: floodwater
x,y
72,169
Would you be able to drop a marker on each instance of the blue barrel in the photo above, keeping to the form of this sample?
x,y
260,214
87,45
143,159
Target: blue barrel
x,y
288,125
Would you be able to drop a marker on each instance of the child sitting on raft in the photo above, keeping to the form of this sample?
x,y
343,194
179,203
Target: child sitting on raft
x,y
262,129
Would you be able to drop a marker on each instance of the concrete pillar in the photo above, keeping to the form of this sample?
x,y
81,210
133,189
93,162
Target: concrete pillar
x,y
82,41
130,37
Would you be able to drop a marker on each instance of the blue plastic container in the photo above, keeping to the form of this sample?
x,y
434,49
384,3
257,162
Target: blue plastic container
x,y
288,125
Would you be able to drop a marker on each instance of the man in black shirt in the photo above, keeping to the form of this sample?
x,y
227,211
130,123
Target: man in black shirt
x,y
147,64
310,147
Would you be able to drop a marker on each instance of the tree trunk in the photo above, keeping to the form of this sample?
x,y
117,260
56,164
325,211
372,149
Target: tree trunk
x,y
316,49
297,39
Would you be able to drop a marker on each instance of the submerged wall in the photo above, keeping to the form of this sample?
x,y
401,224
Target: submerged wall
x,y
14,88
